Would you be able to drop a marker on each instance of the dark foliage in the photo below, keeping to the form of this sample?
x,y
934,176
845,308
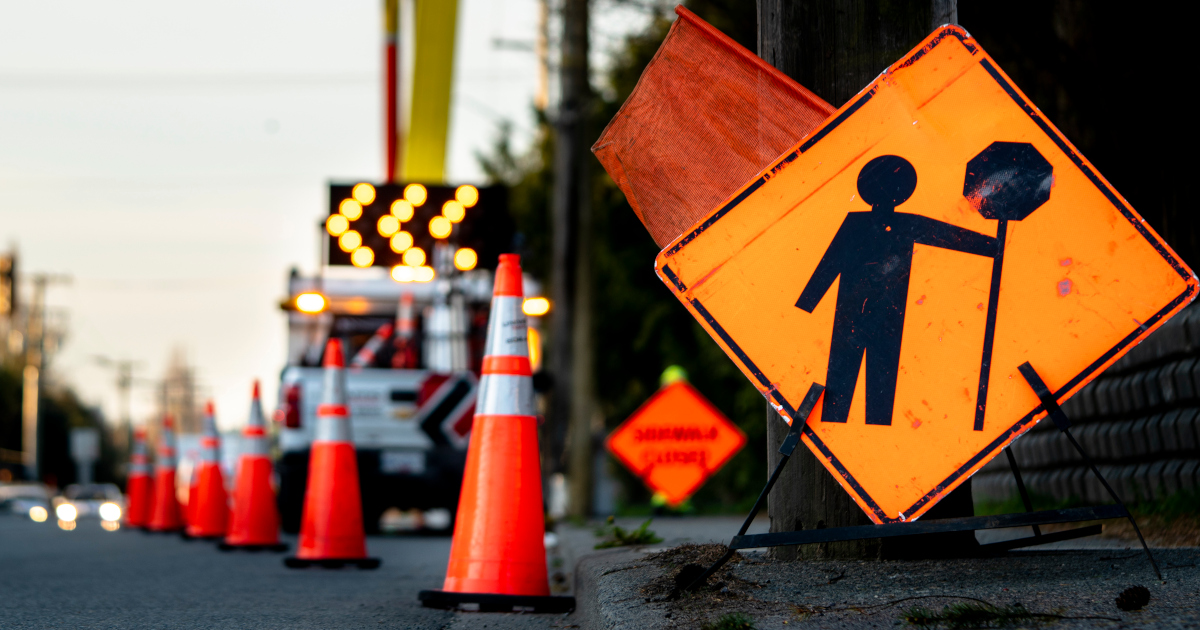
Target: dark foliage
x,y
1106,75
60,411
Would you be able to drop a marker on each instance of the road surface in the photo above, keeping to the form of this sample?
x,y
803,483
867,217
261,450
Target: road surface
x,y
91,578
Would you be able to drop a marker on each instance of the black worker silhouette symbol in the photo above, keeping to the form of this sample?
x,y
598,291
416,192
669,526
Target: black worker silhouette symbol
x,y
872,252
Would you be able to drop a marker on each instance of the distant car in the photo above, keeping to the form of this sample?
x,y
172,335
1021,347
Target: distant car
x,y
20,498
94,500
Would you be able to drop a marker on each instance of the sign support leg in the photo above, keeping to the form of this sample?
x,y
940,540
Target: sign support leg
x,y
1064,424
1012,462
785,450
887,530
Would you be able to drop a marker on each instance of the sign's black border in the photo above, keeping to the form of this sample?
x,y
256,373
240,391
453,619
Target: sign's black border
x,y
1048,129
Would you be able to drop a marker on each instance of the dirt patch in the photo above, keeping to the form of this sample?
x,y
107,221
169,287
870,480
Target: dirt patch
x,y
1160,532
723,592
1183,531
683,564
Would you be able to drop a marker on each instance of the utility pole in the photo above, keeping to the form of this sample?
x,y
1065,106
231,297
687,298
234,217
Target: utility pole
x,y
35,337
571,355
835,48
122,433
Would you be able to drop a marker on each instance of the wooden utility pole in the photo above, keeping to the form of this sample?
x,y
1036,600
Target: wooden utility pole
x,y
35,362
835,48
571,352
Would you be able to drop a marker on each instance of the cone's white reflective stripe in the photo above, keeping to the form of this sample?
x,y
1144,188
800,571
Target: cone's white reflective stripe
x,y
254,445
139,465
507,328
166,450
334,391
333,414
210,441
332,429
139,462
256,414
506,395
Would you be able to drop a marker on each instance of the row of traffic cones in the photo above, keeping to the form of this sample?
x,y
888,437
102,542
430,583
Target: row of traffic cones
x,y
497,557
253,523
332,533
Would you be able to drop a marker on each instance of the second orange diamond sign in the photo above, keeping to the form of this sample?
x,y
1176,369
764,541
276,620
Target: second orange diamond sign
x,y
930,237
675,441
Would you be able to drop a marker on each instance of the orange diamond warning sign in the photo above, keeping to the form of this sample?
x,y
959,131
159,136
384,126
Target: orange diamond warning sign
x,y
909,254
675,441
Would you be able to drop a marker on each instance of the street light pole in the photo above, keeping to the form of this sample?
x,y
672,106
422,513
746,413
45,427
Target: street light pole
x,y
124,370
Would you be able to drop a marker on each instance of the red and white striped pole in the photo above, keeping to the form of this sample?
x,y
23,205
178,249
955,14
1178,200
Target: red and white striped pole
x,y
391,101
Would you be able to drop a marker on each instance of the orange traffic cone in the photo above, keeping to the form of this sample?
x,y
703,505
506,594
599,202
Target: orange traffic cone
x,y
366,356
331,529
255,522
209,505
139,489
498,557
165,517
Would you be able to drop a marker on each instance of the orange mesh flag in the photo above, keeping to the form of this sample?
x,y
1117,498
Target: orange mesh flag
x,y
706,116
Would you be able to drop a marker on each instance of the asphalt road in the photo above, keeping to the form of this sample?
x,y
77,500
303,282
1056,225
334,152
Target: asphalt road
x,y
91,578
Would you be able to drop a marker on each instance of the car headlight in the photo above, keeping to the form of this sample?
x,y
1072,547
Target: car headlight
x,y
110,512
38,514
66,512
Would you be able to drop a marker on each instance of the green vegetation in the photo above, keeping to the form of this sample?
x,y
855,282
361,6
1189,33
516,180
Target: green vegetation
x,y
1013,504
619,537
1182,504
60,410
732,621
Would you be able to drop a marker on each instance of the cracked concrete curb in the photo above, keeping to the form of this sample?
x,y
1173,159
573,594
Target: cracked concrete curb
x,y
599,598
863,595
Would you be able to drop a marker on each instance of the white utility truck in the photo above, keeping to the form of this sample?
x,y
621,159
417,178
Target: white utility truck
x,y
412,400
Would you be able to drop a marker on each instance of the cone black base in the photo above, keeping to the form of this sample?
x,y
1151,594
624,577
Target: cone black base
x,y
277,547
488,602
332,563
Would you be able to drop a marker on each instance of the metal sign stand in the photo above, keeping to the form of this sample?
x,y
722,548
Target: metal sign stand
x,y
888,530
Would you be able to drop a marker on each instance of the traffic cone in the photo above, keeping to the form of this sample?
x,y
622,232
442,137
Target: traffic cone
x,y
405,356
139,489
209,505
254,524
366,356
331,529
498,557
165,517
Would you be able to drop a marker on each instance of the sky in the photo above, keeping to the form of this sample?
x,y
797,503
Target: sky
x,y
172,160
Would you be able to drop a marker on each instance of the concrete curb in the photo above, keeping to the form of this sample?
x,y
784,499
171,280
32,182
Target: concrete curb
x,y
602,601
